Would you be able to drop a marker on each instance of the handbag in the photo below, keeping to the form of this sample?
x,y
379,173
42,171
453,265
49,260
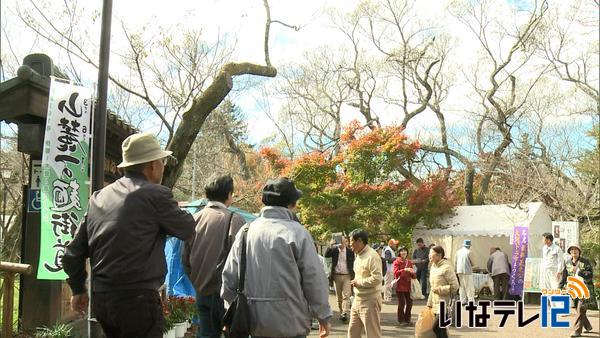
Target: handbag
x,y
394,283
415,289
425,323
237,320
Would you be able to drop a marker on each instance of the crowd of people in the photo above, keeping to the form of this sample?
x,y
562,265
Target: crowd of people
x,y
271,260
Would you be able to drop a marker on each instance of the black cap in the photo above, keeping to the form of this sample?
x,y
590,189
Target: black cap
x,y
280,192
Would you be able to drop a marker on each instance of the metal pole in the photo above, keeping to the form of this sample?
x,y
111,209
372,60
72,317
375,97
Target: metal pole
x,y
100,113
4,196
194,176
99,136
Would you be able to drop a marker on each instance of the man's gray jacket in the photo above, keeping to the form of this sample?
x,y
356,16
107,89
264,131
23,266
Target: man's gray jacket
x,y
498,263
285,283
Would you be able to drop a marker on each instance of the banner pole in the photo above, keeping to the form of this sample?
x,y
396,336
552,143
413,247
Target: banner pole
x,y
100,113
99,133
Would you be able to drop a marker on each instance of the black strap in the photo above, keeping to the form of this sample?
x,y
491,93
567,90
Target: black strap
x,y
242,271
226,240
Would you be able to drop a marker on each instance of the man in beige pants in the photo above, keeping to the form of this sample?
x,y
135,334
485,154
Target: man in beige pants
x,y
342,272
366,308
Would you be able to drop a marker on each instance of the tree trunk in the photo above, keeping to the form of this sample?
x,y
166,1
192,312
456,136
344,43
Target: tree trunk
x,y
487,176
239,154
194,118
468,185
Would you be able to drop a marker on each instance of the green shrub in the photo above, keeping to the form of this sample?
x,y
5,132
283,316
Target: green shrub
x,y
56,331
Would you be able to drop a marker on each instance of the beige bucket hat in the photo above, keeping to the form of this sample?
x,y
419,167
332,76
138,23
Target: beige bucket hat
x,y
141,148
574,246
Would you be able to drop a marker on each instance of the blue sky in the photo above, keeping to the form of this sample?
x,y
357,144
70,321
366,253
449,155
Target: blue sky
x,y
243,23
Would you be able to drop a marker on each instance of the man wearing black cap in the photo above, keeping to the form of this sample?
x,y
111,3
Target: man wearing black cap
x,y
285,282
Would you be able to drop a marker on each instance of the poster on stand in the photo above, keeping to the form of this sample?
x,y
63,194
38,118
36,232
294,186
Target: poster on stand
x,y
531,282
565,234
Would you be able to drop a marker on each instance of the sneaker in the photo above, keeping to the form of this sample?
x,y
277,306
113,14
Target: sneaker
x,y
344,317
588,330
575,334
314,325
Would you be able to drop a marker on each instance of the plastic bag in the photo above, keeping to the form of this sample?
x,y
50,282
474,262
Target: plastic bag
x,y
415,290
424,326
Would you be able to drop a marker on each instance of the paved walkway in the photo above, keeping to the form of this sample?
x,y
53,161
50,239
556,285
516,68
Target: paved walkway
x,y
533,330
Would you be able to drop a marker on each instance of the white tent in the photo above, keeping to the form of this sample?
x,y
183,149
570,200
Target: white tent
x,y
488,226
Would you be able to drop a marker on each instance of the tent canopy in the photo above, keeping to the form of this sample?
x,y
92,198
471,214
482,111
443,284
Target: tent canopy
x,y
195,206
486,220
488,226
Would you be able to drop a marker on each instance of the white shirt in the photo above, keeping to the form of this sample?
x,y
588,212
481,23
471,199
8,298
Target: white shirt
x,y
552,258
342,267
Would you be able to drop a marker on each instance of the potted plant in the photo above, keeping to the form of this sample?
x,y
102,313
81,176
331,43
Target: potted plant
x,y
191,310
169,328
178,311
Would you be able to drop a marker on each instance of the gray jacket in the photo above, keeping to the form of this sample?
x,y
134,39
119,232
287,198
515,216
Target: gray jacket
x,y
285,282
498,263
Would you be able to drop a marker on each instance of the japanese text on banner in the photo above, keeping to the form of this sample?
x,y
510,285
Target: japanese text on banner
x,y
519,254
65,173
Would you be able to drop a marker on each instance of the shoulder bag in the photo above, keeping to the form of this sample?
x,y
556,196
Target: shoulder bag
x,y
237,320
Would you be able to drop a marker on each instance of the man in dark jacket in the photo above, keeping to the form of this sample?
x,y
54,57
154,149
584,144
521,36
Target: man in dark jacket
x,y
342,272
421,259
123,234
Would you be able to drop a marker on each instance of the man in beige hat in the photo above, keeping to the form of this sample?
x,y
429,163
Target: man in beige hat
x,y
580,268
123,235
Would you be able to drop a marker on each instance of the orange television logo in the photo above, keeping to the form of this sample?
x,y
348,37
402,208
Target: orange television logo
x,y
577,289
